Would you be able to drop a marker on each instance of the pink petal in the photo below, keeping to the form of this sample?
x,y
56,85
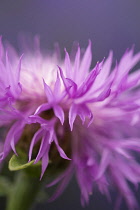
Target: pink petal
x,y
59,113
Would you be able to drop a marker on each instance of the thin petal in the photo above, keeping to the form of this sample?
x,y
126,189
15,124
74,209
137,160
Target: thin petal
x,y
45,161
43,146
103,163
68,68
59,113
42,107
72,115
86,61
60,150
37,136
48,92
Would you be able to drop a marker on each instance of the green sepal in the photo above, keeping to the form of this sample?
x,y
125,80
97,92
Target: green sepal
x,y
21,162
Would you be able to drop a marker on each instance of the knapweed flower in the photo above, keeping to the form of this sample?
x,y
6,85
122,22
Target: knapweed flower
x,y
88,116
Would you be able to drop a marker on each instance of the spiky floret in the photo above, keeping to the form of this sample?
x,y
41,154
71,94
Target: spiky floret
x,y
95,110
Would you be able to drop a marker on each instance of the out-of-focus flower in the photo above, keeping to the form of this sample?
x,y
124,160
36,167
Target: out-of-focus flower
x,y
92,115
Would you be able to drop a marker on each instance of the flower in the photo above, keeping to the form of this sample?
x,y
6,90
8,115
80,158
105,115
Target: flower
x,y
90,115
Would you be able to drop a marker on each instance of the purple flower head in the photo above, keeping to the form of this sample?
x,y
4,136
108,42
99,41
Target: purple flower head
x,y
90,116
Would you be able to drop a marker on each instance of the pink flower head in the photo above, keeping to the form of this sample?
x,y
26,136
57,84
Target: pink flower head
x,y
95,112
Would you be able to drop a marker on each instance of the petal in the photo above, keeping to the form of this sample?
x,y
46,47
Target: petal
x,y
70,85
86,61
45,161
105,159
59,113
104,73
57,87
44,144
89,81
76,66
48,92
17,127
42,107
60,150
79,109
72,115
68,68
37,136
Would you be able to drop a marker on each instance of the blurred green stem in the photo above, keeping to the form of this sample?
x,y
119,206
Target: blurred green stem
x,y
24,192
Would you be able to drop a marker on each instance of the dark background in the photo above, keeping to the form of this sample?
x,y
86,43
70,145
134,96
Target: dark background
x,y
109,24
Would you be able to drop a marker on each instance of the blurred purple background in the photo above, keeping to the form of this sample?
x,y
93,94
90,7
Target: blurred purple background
x,y
109,24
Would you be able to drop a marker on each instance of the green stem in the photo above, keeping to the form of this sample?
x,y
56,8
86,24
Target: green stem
x,y
24,192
